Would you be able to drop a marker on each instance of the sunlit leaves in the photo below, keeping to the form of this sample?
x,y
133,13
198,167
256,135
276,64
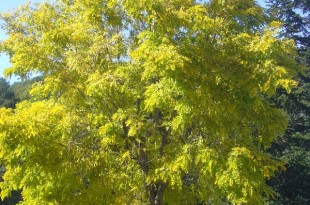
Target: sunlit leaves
x,y
144,101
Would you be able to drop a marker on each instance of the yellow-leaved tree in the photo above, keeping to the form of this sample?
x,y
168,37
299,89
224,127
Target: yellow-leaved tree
x,y
144,102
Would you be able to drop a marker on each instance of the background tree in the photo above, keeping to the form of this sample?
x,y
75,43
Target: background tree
x,y
7,97
294,148
21,89
295,15
144,102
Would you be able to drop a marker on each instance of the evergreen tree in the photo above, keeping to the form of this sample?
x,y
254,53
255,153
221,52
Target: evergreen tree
x,y
295,15
293,185
7,97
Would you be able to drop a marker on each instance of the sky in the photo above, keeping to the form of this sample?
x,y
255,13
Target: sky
x,y
7,5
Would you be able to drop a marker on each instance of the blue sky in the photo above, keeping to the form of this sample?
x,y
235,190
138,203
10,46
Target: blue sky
x,y
7,5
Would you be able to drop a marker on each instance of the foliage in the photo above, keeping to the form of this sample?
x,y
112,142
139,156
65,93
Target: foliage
x,y
296,18
293,184
21,89
7,98
10,95
144,102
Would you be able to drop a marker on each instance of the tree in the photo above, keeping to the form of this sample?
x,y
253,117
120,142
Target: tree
x,y
144,102
7,98
21,89
10,95
295,15
293,184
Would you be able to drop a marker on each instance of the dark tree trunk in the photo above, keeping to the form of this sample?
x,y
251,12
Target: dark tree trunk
x,y
157,193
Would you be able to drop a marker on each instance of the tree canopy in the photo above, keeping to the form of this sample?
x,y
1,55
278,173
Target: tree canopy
x,y
293,184
144,102
10,95
295,15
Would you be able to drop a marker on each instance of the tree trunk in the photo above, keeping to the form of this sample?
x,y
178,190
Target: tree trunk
x,y
157,193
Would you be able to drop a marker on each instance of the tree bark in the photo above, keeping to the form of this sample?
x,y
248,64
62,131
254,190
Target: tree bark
x,y
157,193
